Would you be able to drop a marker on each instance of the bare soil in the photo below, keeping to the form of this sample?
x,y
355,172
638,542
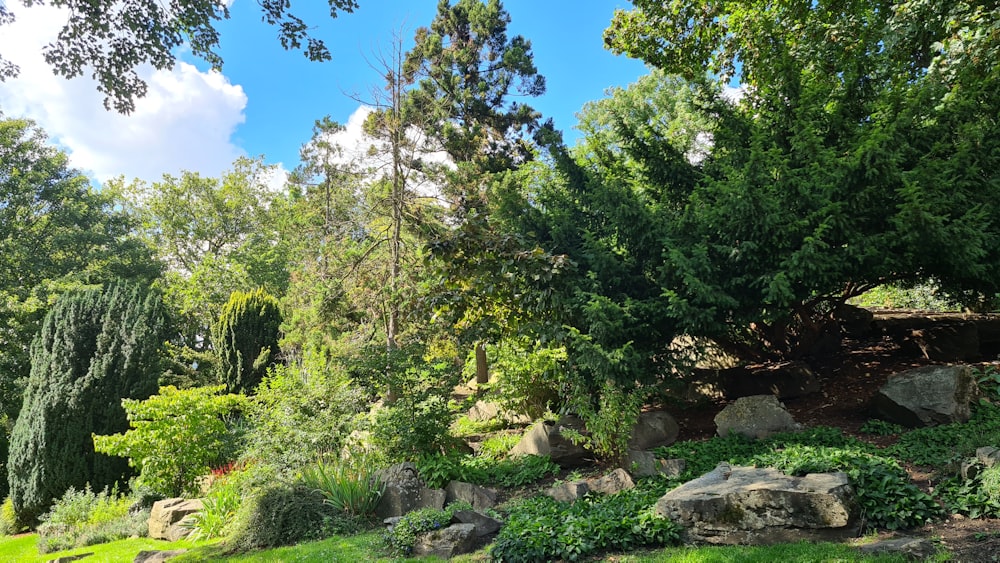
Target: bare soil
x,y
849,381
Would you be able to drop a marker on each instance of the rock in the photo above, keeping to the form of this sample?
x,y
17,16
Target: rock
x,y
405,492
785,380
645,464
484,524
927,396
153,556
672,467
988,456
479,497
653,429
68,558
614,482
757,417
546,438
917,549
567,492
166,519
446,543
761,506
484,411
947,342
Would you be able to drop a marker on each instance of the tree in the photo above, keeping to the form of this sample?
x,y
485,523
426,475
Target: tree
x,y
56,233
246,339
96,347
864,151
174,437
113,38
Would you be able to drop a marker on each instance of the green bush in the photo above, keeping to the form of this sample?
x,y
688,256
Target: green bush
x,y
219,511
403,535
9,523
349,485
436,470
300,410
543,529
175,438
96,347
285,514
246,338
525,379
82,518
412,426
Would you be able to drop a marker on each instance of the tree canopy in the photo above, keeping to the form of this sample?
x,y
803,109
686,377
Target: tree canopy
x,y
113,38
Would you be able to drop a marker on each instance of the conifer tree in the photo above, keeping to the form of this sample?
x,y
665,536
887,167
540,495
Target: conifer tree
x,y
96,347
246,339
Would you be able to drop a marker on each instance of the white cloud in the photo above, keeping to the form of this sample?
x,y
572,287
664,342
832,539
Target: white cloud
x,y
185,122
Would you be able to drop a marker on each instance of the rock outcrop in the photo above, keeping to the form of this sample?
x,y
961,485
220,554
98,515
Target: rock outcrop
x,y
405,492
447,542
927,396
747,505
756,417
168,517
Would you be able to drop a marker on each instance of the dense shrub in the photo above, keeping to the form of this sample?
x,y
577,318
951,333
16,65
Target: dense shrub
x,y
246,338
176,436
437,470
412,426
95,348
299,411
285,514
543,529
82,518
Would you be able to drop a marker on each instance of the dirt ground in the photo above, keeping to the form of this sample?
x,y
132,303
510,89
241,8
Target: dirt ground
x,y
849,381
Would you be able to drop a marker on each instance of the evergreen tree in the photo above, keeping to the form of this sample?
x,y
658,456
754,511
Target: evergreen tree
x,y
246,338
96,347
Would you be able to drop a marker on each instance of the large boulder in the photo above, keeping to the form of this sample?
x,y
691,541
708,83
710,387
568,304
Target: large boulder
x,y
446,543
748,505
480,498
653,429
546,438
485,525
484,411
168,518
927,396
758,416
615,482
405,491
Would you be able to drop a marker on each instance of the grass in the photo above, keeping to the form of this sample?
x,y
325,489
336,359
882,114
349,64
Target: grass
x,y
22,549
802,552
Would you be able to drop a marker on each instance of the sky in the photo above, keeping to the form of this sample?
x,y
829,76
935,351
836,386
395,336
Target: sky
x,y
266,100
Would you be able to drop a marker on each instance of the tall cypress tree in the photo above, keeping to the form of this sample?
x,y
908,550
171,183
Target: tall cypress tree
x,y
246,339
96,347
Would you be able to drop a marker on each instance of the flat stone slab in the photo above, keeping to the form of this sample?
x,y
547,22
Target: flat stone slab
x,y
756,506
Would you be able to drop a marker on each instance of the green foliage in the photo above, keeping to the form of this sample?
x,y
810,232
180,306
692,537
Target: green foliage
x,y
219,511
284,514
525,375
350,485
82,518
246,338
299,410
887,497
96,347
497,445
403,535
9,523
988,380
978,497
926,296
175,437
437,470
939,446
543,529
878,427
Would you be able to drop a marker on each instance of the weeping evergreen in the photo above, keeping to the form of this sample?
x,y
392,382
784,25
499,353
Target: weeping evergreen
x,y
96,347
246,339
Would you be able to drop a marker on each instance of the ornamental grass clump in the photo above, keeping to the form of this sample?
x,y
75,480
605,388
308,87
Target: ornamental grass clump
x,y
350,485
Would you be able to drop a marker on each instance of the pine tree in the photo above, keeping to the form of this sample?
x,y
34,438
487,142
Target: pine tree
x,y
246,339
96,347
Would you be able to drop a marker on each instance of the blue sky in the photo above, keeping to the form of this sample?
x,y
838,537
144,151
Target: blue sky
x,y
266,99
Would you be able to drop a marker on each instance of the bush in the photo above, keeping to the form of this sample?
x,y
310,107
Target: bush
x,y
95,348
349,485
176,437
543,529
246,338
82,518
412,426
286,514
219,511
526,375
436,470
299,411
9,524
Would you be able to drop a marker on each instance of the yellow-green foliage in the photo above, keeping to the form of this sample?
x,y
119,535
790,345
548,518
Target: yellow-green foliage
x,y
175,437
9,524
246,338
